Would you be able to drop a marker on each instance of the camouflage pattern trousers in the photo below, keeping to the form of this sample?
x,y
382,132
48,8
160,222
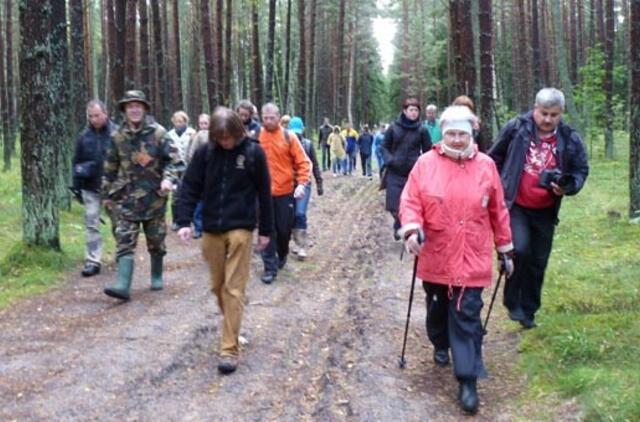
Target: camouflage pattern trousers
x,y
93,238
127,231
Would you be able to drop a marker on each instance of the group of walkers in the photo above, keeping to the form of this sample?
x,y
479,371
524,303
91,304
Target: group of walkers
x,y
453,198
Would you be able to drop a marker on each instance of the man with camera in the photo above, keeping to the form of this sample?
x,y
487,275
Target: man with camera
x,y
540,159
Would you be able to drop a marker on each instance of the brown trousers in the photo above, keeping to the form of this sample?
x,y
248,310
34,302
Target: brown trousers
x,y
229,256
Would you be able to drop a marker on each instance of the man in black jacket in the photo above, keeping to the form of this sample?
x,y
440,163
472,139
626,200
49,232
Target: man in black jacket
x,y
87,177
228,174
540,159
325,149
404,141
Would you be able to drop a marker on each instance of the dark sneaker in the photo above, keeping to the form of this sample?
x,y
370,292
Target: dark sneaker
x,y
441,357
468,396
227,364
528,323
267,278
396,236
197,235
90,269
282,262
175,227
516,314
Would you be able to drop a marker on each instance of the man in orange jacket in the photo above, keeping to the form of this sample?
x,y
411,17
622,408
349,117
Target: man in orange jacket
x,y
290,171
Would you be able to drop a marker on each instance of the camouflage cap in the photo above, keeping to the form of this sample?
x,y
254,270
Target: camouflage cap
x,y
132,96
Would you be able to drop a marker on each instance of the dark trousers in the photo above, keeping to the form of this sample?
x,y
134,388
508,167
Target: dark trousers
x,y
532,232
278,248
326,157
458,329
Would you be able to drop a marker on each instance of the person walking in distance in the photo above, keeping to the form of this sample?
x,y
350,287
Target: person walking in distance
x,y
87,169
540,159
337,144
325,149
290,171
404,140
296,125
181,135
226,175
140,168
365,144
454,196
199,139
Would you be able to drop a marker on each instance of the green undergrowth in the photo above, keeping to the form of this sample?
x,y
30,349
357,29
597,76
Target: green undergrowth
x,y
587,344
25,270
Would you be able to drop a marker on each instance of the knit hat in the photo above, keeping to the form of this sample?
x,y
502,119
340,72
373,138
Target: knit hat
x,y
457,118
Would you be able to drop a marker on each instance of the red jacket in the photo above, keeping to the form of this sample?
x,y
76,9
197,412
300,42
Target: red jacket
x,y
460,206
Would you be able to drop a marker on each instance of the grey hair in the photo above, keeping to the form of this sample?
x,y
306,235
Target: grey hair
x,y
431,107
550,97
94,103
270,107
245,105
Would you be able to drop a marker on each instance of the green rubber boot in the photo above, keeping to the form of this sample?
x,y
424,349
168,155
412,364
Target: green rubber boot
x,y
156,272
123,282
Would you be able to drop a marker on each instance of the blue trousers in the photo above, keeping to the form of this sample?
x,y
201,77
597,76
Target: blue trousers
x,y
300,220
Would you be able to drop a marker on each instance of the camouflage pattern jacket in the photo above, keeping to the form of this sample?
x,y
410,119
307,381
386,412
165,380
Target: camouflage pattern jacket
x,y
135,164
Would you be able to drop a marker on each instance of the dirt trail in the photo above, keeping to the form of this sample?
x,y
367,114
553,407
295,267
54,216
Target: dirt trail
x,y
323,339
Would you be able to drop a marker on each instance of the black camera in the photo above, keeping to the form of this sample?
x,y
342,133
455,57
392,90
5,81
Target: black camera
x,y
549,176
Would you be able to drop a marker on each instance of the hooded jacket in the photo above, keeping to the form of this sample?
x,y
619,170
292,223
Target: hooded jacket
x,y
460,206
88,157
404,141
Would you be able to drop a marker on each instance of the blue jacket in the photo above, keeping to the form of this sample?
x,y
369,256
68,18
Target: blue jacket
x,y
365,142
510,152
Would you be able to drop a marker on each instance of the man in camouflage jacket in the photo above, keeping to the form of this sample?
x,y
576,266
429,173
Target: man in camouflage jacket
x,y
139,172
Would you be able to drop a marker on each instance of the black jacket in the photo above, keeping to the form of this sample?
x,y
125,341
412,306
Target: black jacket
x,y
509,152
228,182
323,134
307,145
88,158
365,142
403,143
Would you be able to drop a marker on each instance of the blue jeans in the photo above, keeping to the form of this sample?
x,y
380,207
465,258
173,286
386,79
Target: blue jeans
x,y
366,164
197,217
336,165
300,221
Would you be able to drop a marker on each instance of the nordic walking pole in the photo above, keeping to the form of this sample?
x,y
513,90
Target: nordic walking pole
x,y
402,362
493,299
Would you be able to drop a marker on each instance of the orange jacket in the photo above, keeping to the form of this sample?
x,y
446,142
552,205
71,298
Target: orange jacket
x,y
286,160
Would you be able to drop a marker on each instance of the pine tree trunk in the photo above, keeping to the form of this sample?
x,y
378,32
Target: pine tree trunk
x,y
130,46
311,89
11,82
179,98
486,70
218,52
468,55
117,50
287,56
228,62
145,79
269,65
351,70
600,25
162,108
256,70
573,41
634,136
78,64
38,94
301,94
5,131
195,97
545,54
87,45
207,44
535,45
339,86
608,77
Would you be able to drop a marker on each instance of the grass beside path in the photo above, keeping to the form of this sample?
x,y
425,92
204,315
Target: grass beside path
x,y
588,341
26,271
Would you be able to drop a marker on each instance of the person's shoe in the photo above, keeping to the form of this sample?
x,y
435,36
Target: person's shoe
x,y
197,235
301,241
123,282
528,323
227,364
156,272
282,262
267,278
396,236
516,314
468,396
175,227
90,269
441,357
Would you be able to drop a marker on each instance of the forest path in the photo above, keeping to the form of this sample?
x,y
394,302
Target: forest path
x,y
323,339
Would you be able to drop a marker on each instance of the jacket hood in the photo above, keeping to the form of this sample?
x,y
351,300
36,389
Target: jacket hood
x,y
403,121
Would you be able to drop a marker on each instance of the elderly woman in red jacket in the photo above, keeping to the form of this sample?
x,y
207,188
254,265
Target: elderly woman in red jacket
x,y
455,196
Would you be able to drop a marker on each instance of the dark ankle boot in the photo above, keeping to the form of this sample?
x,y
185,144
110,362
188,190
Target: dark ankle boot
x,y
468,396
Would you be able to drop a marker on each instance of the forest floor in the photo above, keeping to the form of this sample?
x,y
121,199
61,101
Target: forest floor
x,y
323,340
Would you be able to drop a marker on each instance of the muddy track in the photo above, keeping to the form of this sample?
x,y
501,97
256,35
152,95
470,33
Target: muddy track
x,y
323,339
